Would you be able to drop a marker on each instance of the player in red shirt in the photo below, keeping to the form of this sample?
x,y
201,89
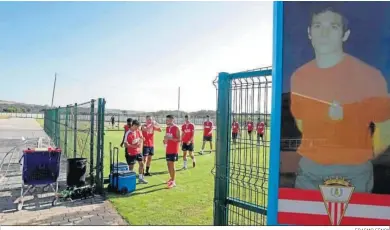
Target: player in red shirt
x,y
260,131
126,128
207,134
187,140
249,126
235,131
148,130
171,141
133,143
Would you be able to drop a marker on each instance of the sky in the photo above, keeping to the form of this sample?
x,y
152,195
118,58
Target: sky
x,y
133,54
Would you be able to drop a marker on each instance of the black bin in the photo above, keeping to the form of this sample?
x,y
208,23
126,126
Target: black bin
x,y
77,168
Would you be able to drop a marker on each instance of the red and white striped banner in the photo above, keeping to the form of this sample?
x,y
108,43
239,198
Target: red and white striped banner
x,y
306,207
336,211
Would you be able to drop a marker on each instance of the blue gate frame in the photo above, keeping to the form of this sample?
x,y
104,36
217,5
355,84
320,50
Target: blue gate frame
x,y
244,210
224,99
276,111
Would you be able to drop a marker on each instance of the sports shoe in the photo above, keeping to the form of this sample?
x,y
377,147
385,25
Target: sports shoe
x,y
148,174
201,152
142,181
184,167
171,184
169,181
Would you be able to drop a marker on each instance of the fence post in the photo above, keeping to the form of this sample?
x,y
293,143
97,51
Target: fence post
x,y
102,143
44,121
66,131
54,126
58,127
75,131
49,123
92,116
98,142
222,151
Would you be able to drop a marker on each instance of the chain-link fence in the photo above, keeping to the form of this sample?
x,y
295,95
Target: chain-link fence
x,y
79,131
242,157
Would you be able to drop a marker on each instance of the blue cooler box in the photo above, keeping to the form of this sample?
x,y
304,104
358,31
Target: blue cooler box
x,y
126,180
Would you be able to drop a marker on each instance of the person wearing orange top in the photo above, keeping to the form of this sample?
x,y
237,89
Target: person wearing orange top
x,y
148,149
334,99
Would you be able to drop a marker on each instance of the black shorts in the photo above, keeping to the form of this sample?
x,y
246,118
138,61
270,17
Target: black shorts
x,y
148,151
260,135
187,147
234,136
132,159
172,157
208,138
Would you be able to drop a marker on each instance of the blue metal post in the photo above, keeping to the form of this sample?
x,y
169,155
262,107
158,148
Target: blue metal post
x,y
273,186
222,150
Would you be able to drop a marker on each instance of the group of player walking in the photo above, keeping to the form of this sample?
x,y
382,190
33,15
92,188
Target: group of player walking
x,y
260,126
137,136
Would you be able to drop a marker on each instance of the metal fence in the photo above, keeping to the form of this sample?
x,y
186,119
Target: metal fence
x,y
79,131
120,120
22,115
241,168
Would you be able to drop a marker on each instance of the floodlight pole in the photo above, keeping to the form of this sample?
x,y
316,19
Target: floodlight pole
x,y
54,89
178,103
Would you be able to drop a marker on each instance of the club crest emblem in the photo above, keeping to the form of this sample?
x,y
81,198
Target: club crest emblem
x,y
336,193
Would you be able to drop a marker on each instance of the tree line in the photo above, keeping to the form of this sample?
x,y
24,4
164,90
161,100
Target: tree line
x,y
19,108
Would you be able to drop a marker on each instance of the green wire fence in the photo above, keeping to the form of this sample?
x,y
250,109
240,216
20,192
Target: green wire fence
x,y
79,131
242,163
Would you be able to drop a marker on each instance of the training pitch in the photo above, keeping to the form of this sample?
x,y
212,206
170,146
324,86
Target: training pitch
x,y
191,201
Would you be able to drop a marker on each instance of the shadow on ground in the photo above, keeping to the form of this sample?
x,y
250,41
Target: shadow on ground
x,y
38,209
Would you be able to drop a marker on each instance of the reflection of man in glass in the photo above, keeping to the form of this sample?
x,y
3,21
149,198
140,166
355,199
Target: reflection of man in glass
x,y
334,99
